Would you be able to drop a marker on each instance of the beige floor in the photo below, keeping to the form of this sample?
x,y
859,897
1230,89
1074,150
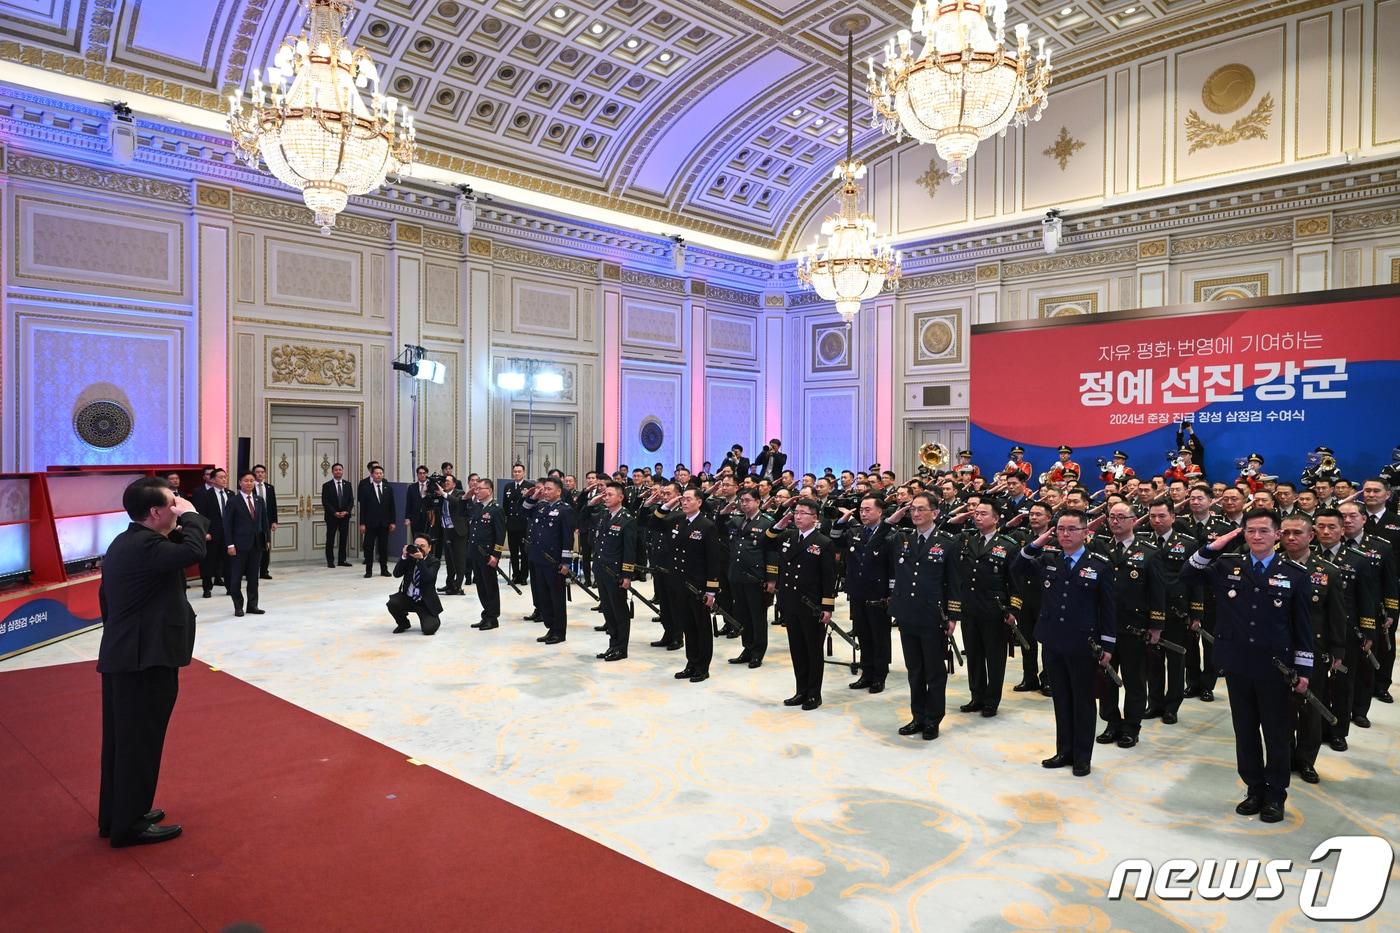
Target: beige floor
x,y
823,820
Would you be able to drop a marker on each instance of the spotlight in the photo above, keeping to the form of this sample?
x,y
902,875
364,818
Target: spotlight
x,y
510,381
597,29
1050,230
548,383
466,209
678,253
121,133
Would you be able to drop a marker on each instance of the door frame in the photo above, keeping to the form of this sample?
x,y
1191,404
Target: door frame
x,y
354,439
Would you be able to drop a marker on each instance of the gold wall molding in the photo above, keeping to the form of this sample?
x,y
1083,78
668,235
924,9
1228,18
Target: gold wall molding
x,y
1056,305
730,296
213,196
299,364
1229,287
949,279
697,287
307,325
1063,148
408,233
85,302
547,261
989,272
82,176
1152,249
1070,262
1368,220
1319,225
662,283
117,78
441,239
479,246
1233,239
612,272
284,212
1253,125
935,176
775,301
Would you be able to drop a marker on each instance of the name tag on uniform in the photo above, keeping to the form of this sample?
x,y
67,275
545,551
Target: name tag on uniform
x,y
1283,582
615,528
696,535
814,549
1089,573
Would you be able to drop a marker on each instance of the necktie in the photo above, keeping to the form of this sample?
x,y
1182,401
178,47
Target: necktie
x,y
1258,566
1069,563
250,506
337,491
223,502
377,497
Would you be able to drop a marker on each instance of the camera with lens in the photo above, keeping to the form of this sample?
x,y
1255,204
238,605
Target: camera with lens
x,y
434,486
412,550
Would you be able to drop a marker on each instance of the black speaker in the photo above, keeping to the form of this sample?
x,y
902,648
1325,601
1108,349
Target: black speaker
x,y
245,453
598,459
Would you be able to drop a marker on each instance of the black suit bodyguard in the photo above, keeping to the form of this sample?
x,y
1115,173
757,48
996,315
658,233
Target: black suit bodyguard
x,y
1261,617
210,501
614,567
803,575
268,494
147,636
337,499
925,602
246,532
1076,612
377,519
486,540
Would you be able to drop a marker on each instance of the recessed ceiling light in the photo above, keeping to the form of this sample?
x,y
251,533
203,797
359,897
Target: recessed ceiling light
x,y
840,131
664,57
596,29
1067,11
797,112
818,121
1130,11
633,43
560,12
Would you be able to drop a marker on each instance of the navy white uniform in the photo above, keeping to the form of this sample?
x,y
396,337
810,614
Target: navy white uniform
x,y
925,596
1261,614
1076,606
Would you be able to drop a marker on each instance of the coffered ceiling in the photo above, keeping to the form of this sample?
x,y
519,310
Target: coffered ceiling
x,y
720,116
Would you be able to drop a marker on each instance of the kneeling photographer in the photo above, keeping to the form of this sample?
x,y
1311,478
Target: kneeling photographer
x,y
418,591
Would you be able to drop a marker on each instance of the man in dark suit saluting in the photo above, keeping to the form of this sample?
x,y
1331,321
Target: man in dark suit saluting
x,y
418,591
377,520
337,500
147,636
246,530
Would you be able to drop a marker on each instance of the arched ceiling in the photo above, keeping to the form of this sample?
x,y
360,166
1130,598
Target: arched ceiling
x,y
719,115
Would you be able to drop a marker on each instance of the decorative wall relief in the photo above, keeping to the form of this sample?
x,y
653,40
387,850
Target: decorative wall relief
x,y
933,177
936,337
297,364
1063,148
1068,305
103,424
1230,103
831,348
1231,287
651,435
1227,89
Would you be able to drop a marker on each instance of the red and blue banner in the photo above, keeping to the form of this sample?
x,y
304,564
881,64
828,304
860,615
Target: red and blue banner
x,y
27,621
1277,381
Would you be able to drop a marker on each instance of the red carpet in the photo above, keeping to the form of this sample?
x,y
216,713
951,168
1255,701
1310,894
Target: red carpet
x,y
294,823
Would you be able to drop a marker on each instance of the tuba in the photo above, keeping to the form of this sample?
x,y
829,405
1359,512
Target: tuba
x,y
1328,463
933,455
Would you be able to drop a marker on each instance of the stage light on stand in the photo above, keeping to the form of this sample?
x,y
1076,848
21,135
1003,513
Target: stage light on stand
x,y
121,134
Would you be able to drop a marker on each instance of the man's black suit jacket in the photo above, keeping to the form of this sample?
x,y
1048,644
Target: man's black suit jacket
x,y
777,458
206,503
269,497
329,503
377,513
427,580
147,621
242,528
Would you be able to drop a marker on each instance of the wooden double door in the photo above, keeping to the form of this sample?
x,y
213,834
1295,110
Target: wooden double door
x,y
303,443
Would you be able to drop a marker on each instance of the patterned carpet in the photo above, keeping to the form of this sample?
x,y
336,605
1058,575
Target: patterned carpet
x,y
824,820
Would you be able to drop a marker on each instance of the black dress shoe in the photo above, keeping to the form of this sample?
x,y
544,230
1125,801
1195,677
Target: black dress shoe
x,y
811,702
698,676
600,628
149,836
1309,774
743,658
603,655
1127,741
481,624
929,734
1207,696
1045,690
660,644
1250,805
861,684
208,593
257,612
533,617
1337,743
755,662
1152,713
616,656
344,563
553,639
487,626
1056,761
368,574
910,727
988,712
1361,722
401,627
384,572
238,613
542,638
330,566
264,576
1107,736
970,708
877,687
794,700
1081,769
1271,813
155,816
1385,697
675,646
1026,686
597,608
1190,692
683,674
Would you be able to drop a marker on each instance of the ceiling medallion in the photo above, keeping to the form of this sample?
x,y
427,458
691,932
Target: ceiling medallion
x,y
963,85
310,125
855,265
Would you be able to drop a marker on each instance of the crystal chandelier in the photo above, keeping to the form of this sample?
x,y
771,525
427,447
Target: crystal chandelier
x,y
855,265
310,124
963,85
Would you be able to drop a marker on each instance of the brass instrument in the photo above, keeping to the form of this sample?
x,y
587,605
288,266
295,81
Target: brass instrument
x,y
933,455
1045,477
1329,463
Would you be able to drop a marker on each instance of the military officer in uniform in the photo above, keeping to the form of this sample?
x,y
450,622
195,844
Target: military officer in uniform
x,y
512,502
1140,597
1206,526
1383,522
1361,603
925,602
694,581
867,589
803,576
1077,613
1166,670
747,575
1327,612
984,561
1262,611
550,550
486,542
1025,601
1380,566
661,555
614,567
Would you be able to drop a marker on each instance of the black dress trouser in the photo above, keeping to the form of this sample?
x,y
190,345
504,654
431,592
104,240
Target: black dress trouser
x,y
136,707
925,654
1071,679
804,634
